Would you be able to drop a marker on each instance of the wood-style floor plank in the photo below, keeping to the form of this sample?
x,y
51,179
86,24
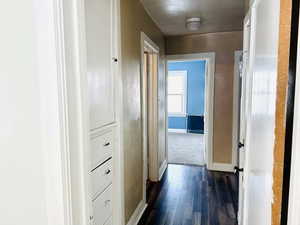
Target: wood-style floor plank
x,y
191,195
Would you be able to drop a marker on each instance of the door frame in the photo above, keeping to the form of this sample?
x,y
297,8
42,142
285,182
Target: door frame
x,y
147,43
236,106
209,57
68,185
249,21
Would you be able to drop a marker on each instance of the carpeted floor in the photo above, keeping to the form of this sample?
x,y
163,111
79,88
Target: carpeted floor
x,y
186,149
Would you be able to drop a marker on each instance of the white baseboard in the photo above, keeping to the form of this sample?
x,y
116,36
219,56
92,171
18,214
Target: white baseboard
x,y
224,167
162,169
138,213
177,131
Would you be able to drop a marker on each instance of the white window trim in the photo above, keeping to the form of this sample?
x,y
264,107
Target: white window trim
x,y
184,74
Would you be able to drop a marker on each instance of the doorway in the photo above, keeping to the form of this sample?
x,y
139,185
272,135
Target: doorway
x,y
149,84
190,108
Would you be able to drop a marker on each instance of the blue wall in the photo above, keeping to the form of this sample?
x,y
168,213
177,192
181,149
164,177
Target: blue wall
x,y
195,90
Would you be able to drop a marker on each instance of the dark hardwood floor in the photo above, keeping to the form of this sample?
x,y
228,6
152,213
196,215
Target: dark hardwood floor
x,y
191,195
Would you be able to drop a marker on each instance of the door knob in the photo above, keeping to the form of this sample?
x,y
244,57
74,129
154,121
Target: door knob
x,y
241,145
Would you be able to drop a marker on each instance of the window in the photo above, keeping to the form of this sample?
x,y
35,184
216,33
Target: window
x,y
177,93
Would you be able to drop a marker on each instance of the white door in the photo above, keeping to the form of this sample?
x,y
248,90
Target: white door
x,y
245,94
100,35
260,113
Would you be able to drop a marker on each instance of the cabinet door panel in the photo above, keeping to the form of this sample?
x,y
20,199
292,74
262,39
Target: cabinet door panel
x,y
100,68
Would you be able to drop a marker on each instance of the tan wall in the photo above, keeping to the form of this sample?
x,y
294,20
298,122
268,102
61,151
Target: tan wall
x,y
134,20
223,44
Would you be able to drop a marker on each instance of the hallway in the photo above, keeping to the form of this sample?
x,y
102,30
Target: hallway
x,y
191,195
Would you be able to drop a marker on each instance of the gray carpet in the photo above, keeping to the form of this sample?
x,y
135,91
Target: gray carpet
x,y
186,149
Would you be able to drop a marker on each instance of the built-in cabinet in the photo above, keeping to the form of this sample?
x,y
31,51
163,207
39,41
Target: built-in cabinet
x,y
102,65
101,61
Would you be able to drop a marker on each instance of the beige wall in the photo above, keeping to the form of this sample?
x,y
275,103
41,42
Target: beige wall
x,y
223,44
134,20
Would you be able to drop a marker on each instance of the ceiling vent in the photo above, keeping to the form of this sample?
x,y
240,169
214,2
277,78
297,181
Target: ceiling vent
x,y
193,23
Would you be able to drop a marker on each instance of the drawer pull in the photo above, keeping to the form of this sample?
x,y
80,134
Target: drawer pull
x,y
107,171
106,144
107,202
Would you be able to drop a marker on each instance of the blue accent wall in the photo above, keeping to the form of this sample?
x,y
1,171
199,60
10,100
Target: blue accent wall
x,y
177,122
195,90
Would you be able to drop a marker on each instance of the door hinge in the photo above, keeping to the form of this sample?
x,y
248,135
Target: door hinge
x,y
241,145
238,170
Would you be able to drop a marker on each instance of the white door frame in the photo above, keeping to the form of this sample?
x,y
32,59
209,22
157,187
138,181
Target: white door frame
x,y
209,57
147,43
236,106
237,97
249,43
69,163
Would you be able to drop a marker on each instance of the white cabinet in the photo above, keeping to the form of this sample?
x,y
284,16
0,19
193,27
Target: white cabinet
x,y
102,207
101,178
101,62
101,146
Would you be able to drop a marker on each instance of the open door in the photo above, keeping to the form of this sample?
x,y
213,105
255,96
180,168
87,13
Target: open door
x,y
245,74
258,112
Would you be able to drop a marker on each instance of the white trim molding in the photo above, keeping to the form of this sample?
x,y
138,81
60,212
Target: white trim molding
x,y
222,167
181,131
67,185
179,73
150,134
236,107
137,214
163,169
209,57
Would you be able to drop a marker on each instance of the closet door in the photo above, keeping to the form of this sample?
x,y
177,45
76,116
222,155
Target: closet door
x,y
100,61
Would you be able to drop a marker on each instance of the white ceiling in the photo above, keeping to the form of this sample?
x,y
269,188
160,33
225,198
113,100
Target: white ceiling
x,y
216,15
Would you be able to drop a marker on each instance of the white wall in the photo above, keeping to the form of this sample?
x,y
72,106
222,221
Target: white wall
x,y
29,121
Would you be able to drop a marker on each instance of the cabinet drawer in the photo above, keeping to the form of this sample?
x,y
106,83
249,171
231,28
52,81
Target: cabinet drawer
x,y
101,178
102,148
102,207
109,221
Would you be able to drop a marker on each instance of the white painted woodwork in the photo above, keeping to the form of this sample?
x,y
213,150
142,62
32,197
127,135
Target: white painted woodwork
x,y
104,81
245,96
260,115
100,64
102,146
35,185
102,207
44,119
236,105
149,77
109,221
101,178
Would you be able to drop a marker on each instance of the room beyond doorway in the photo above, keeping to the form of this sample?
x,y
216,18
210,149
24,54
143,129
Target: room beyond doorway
x,y
190,107
185,148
